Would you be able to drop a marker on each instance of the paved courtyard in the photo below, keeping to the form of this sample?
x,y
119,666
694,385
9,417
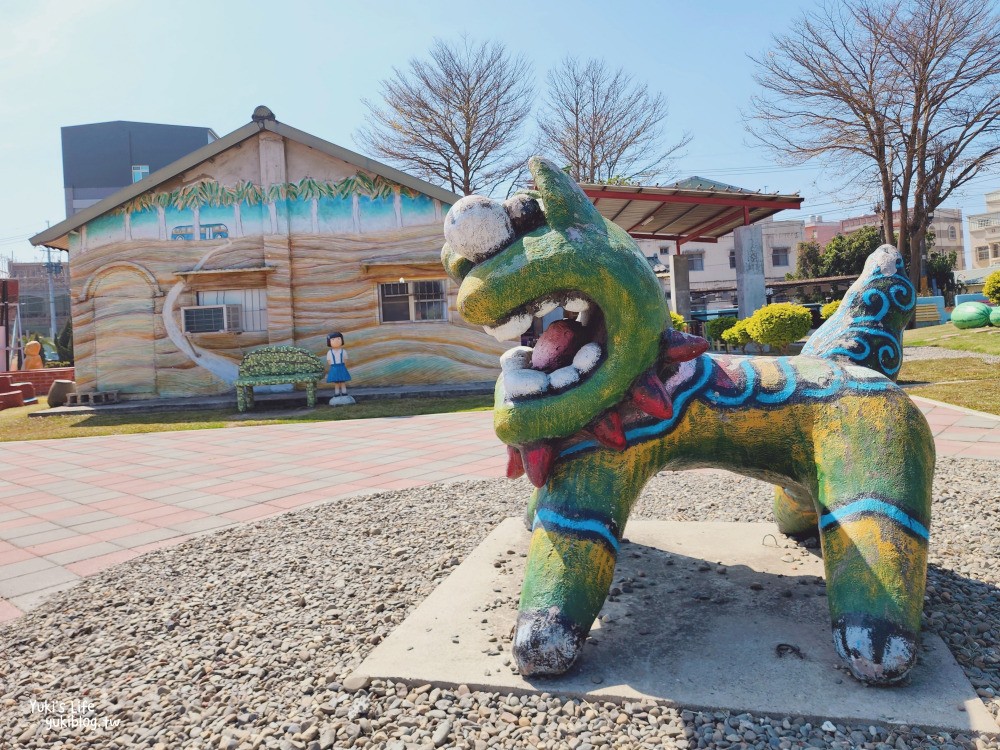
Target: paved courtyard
x,y
72,507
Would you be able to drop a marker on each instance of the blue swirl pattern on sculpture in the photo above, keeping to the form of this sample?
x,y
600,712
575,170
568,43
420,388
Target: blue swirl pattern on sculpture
x,y
865,330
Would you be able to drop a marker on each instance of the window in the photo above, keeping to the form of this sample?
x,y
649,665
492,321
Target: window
x,y
779,256
33,307
996,251
412,301
951,233
732,259
251,302
696,262
139,171
983,253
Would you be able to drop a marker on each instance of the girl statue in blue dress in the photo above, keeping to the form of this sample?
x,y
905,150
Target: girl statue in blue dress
x,y
336,357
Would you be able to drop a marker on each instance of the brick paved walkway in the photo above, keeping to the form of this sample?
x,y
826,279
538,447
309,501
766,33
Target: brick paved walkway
x,y
70,508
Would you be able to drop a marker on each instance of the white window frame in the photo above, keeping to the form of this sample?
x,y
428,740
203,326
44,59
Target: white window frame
x,y
784,251
412,299
700,257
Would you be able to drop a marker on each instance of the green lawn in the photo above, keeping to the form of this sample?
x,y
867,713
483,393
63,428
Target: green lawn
x,y
15,424
983,340
966,381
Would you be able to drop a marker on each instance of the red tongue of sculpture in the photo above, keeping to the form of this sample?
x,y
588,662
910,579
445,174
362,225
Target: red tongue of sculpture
x,y
557,346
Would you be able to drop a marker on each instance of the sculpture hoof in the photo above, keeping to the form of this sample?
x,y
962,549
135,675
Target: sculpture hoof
x,y
877,652
546,642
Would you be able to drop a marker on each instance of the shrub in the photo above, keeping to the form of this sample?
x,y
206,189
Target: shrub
x,y
737,335
677,321
992,287
827,310
64,342
779,325
717,326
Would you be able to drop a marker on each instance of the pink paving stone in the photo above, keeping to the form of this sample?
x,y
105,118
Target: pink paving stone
x,y
981,450
101,562
162,544
252,512
963,434
176,518
297,501
949,447
58,515
158,511
18,522
236,490
402,484
943,417
14,555
117,532
60,545
8,611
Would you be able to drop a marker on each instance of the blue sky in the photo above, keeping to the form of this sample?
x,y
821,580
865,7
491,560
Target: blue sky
x,y
204,63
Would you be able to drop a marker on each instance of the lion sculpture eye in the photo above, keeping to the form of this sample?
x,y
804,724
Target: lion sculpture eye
x,y
478,228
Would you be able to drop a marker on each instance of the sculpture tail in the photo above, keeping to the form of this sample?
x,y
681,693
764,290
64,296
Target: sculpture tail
x,y
867,329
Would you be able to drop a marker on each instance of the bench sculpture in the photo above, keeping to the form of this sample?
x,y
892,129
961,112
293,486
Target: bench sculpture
x,y
614,396
277,365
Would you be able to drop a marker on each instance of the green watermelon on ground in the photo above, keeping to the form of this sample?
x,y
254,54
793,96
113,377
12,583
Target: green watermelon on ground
x,y
995,317
971,315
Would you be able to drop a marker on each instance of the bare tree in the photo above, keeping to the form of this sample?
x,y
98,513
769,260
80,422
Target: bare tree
x,y
454,119
603,125
903,95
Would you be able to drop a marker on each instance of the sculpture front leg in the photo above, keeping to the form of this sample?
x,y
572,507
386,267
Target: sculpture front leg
x,y
578,520
875,496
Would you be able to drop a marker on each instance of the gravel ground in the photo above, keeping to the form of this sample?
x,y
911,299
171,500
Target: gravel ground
x,y
245,638
911,353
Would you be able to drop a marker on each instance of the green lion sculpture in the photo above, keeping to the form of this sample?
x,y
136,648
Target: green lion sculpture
x,y
608,399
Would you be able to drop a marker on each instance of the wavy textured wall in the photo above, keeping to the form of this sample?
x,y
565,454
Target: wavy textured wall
x,y
320,283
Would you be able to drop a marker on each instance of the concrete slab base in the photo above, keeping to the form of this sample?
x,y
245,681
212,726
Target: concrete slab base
x,y
706,615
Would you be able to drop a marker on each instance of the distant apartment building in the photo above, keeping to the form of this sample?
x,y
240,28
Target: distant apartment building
x,y
101,158
34,306
819,231
946,225
984,233
712,267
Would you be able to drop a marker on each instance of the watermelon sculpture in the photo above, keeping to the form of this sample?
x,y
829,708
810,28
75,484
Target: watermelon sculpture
x,y
971,315
995,317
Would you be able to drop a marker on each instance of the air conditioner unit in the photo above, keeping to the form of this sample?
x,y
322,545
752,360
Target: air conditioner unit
x,y
213,318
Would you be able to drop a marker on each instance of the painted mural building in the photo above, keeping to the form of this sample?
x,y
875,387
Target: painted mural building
x,y
268,235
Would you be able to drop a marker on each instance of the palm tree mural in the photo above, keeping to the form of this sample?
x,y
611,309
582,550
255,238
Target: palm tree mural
x,y
347,188
278,191
190,196
139,203
311,190
161,201
243,192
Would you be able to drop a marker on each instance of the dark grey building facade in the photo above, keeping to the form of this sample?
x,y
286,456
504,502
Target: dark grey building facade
x,y
102,158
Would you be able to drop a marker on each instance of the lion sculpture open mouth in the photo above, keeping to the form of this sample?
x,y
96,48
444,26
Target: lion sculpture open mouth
x,y
612,394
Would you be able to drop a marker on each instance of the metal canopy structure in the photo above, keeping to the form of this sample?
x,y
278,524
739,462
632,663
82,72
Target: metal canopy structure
x,y
692,210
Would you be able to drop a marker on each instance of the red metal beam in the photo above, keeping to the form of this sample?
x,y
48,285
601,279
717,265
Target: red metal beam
x,y
639,236
705,200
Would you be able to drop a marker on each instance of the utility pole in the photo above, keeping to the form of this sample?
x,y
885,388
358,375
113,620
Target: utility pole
x,y
51,269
